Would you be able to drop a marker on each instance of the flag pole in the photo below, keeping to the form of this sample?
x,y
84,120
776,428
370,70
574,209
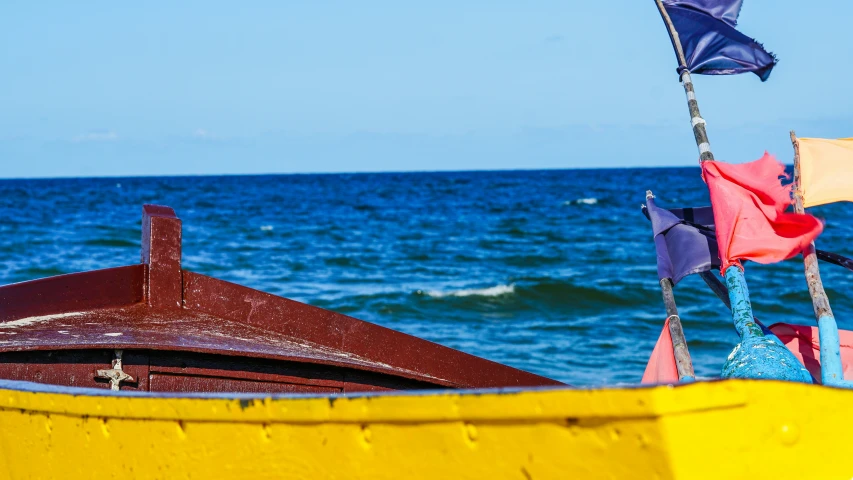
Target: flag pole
x,y
831,371
772,361
695,117
683,363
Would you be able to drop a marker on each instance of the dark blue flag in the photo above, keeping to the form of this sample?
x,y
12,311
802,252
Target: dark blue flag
x,y
686,243
711,43
684,240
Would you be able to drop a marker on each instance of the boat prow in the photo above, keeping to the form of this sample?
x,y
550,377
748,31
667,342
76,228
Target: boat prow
x,y
157,327
660,432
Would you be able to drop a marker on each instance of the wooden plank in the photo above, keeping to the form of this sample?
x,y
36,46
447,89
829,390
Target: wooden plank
x,y
411,357
72,293
167,382
158,306
73,368
538,434
161,252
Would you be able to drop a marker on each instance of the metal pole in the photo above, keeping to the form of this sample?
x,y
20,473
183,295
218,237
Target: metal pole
x,y
831,371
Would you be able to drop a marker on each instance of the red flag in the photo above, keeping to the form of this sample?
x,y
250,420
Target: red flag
x,y
749,202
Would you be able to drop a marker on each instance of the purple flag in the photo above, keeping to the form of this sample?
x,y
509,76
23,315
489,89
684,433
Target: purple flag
x,y
684,240
711,43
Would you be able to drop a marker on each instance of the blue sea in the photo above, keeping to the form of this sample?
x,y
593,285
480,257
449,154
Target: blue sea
x,y
548,271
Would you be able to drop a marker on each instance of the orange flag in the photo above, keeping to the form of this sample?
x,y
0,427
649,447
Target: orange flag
x,y
826,170
749,202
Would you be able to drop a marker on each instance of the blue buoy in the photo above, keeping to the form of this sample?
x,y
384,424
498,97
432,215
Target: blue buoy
x,y
757,355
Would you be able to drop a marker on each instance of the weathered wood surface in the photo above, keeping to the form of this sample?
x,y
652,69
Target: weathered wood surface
x,y
157,307
161,254
683,364
696,120
832,371
757,355
820,301
716,430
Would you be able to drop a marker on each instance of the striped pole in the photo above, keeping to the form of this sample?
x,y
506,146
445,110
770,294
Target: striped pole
x,y
756,356
695,117
831,372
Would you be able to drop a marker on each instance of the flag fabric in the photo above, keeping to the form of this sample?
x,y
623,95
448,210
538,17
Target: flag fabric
x,y
684,240
749,203
804,342
711,43
826,170
661,367
685,250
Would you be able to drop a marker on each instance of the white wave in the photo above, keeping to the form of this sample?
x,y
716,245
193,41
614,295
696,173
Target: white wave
x,y
266,228
495,291
582,201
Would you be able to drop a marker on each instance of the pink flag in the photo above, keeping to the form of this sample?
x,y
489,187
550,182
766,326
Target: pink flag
x,y
749,202
661,367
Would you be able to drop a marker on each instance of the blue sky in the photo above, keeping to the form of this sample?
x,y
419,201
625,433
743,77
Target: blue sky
x,y
114,88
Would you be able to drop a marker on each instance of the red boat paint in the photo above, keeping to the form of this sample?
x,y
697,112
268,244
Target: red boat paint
x,y
179,331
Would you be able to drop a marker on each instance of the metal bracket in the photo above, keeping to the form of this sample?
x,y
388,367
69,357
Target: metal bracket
x,y
115,375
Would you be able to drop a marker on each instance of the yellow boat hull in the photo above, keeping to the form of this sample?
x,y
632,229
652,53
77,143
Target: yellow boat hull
x,y
725,429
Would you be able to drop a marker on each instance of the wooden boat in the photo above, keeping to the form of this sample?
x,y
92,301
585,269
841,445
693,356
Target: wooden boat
x,y
748,427
153,371
156,327
150,370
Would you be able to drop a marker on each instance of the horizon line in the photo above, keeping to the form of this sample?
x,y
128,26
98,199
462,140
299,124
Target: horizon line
x,y
361,172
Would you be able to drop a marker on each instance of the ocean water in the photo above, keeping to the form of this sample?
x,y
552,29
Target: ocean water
x,y
548,271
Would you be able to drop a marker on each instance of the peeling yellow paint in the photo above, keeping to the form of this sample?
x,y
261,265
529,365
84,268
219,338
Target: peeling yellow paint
x,y
727,429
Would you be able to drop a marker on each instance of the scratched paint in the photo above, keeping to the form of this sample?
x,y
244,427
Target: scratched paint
x,y
757,355
23,322
50,432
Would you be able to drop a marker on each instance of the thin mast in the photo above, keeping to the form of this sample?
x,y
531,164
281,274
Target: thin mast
x,y
683,363
696,119
776,361
831,371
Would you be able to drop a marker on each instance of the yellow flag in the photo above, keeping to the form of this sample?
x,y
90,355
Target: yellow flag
x,y
826,170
